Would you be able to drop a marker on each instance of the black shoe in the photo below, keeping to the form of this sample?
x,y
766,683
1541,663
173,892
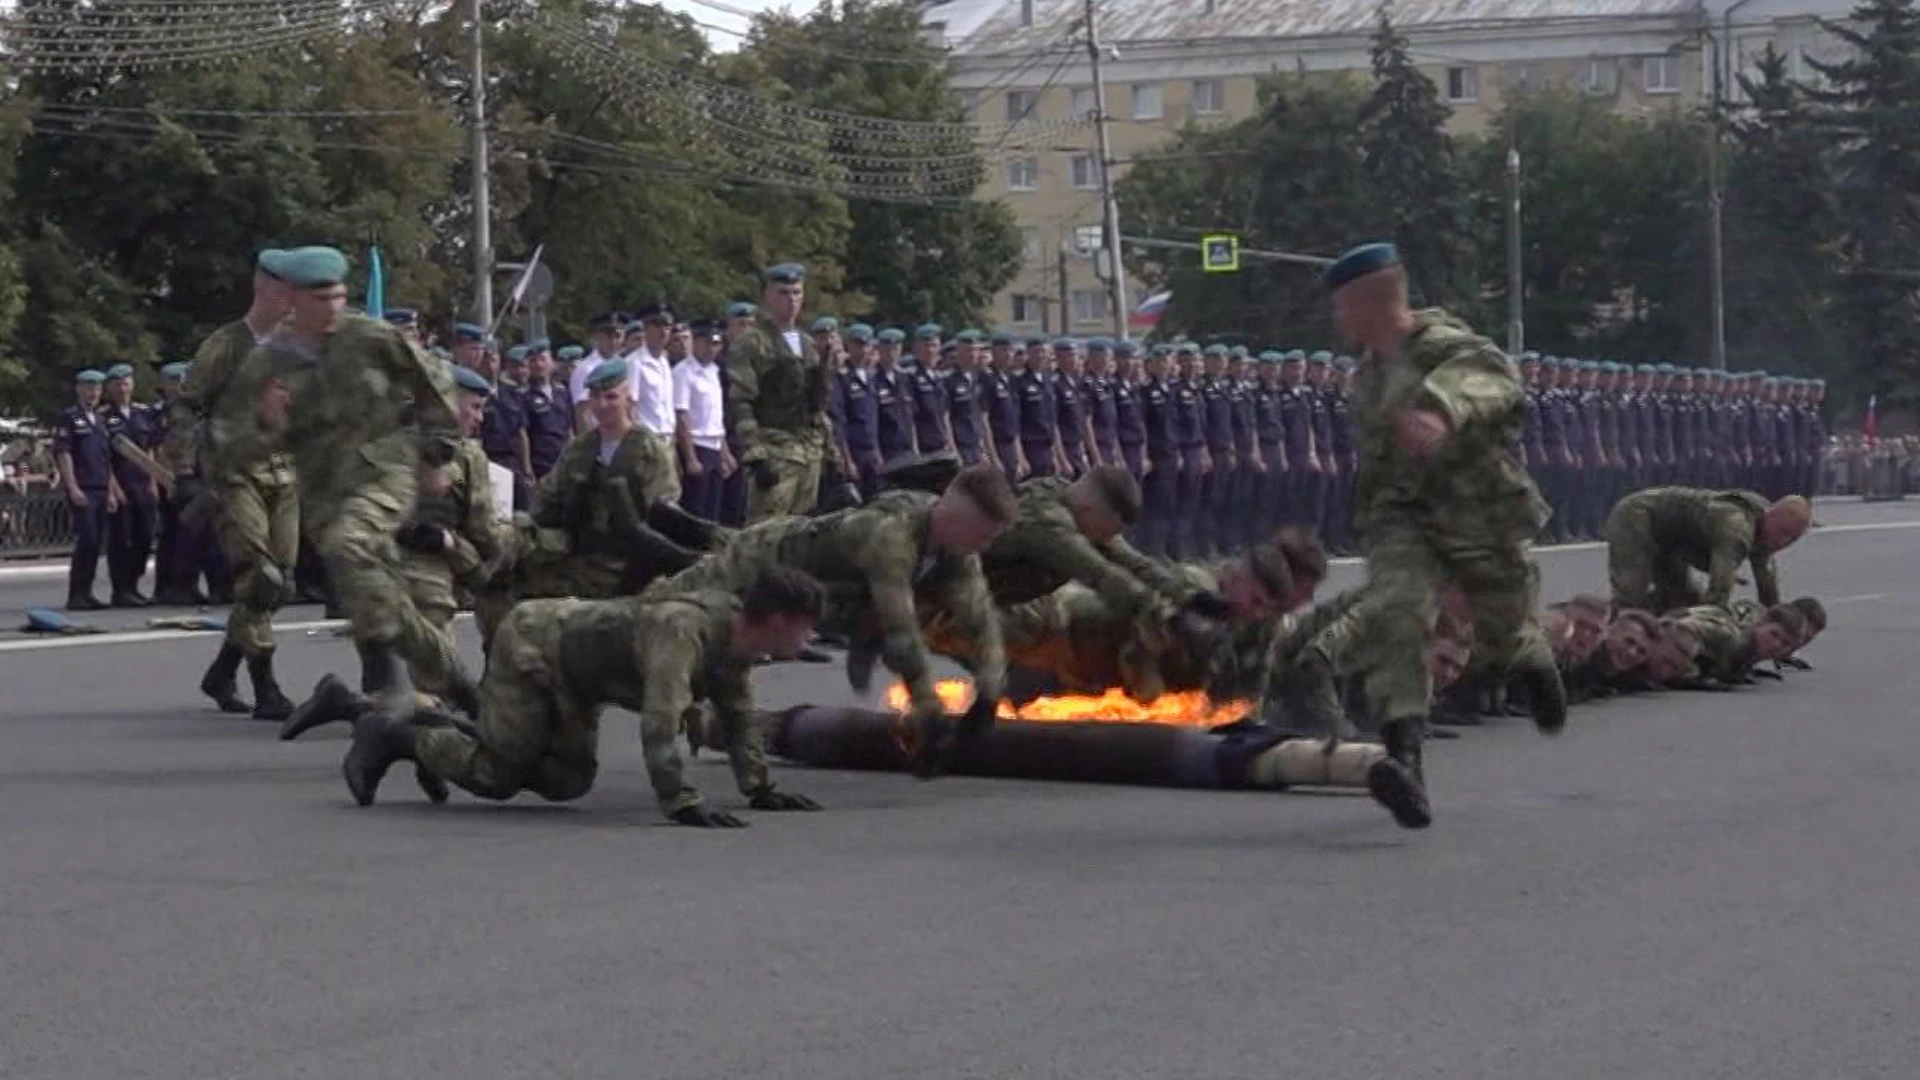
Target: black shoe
x,y
385,678
84,602
1545,692
379,740
174,596
196,598
332,701
810,655
862,654
268,702
220,684
128,598
333,610
1394,786
1402,740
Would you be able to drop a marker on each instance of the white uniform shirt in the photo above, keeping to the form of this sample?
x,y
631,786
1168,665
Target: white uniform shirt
x,y
652,392
696,392
577,382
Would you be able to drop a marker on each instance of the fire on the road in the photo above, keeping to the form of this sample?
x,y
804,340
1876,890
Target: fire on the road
x,y
1189,708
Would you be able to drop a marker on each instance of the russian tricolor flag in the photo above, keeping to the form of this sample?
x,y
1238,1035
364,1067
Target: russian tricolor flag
x,y
1149,311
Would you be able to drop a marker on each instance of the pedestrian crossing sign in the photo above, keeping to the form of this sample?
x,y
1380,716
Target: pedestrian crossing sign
x,y
1220,253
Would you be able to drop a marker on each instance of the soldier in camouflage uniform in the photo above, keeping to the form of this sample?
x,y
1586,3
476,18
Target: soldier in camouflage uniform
x,y
1655,537
557,663
367,417
1442,498
605,521
886,566
777,402
253,501
1724,649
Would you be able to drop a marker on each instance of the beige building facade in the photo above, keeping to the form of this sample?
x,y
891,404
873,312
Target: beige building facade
x,y
1168,64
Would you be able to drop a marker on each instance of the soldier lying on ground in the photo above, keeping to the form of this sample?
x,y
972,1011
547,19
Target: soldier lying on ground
x,y
1723,648
556,663
880,563
1656,537
1618,665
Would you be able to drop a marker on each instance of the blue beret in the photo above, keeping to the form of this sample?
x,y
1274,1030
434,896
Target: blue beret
x,y
968,335
120,371
1066,343
1271,356
472,381
740,309
1359,262
1036,343
892,335
1643,369
786,274
400,316
1163,349
311,267
1345,363
859,332
1188,348
825,323
1664,368
571,352
1321,358
1125,347
610,373
1101,343
1239,352
1001,337
1529,357
927,332
656,313
1296,356
271,262
175,371
947,349
606,320
1772,381
538,345
466,331
517,353
91,375
1216,349
706,328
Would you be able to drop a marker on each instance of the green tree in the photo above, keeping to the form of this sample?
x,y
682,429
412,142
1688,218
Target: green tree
x,y
1868,111
1412,175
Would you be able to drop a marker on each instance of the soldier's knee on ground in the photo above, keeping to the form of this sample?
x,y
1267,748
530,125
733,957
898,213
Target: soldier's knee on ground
x,y
557,782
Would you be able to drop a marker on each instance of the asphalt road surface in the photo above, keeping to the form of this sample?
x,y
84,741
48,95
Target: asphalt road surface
x,y
1685,887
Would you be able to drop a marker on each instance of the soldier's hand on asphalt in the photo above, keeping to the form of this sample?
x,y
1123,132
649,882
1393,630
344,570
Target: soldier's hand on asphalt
x,y
1419,431
769,799
1793,662
1763,673
705,817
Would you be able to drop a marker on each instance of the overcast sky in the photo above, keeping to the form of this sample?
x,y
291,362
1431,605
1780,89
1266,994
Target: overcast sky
x,y
715,13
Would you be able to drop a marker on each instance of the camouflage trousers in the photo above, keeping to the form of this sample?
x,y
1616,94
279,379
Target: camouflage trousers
x,y
795,488
430,584
258,526
355,536
1408,565
1640,573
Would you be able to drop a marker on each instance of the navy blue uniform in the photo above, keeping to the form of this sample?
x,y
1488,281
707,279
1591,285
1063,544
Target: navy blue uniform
x,y
963,413
1160,489
1336,522
929,392
1039,417
893,402
1071,415
1103,408
1190,422
1130,425
81,435
1003,415
1269,433
1296,426
1243,525
130,529
549,424
860,409
1218,486
501,426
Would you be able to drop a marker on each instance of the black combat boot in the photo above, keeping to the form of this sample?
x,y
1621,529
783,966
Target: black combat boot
x,y
385,678
1402,740
268,702
1545,692
379,740
1398,787
332,701
220,682
79,601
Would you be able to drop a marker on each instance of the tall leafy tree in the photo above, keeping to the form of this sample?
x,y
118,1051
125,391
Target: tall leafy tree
x,y
1412,174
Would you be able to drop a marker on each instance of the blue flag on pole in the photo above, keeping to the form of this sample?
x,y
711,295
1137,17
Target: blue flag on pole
x,y
376,283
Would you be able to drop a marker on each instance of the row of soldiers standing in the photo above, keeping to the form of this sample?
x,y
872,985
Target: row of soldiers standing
x,y
1227,446
1598,431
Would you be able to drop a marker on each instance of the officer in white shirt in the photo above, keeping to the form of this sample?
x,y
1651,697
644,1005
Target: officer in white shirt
x,y
700,427
604,332
653,372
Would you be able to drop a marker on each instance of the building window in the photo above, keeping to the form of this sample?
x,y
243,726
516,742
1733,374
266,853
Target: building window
x,y
1086,171
1020,105
1660,74
1520,78
1026,308
1086,239
1463,84
1030,244
1207,98
1599,76
1082,107
1089,305
1023,174
1146,101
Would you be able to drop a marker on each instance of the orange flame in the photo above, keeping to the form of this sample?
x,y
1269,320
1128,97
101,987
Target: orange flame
x,y
1184,708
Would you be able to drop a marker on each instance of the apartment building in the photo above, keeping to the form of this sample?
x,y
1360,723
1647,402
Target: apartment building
x,y
1171,63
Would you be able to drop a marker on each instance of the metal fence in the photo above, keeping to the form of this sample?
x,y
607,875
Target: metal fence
x,y
34,525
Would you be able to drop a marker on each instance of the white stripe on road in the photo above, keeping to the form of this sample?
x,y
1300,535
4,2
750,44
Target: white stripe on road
x,y
136,637
1862,598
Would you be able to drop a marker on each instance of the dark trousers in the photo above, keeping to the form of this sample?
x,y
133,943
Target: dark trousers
x,y
186,550
89,538
1189,506
733,496
867,464
129,544
1160,496
1009,454
1219,519
702,495
1076,458
1134,457
1039,458
971,455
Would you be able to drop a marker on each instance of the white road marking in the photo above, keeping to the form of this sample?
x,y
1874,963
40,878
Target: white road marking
x,y
136,637
1862,598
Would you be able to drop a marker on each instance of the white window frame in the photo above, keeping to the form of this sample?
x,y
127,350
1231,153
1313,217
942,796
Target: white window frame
x,y
1217,92
1016,114
1602,75
1089,305
1083,171
1082,105
1463,83
1140,94
1668,67
1032,244
1023,174
1025,308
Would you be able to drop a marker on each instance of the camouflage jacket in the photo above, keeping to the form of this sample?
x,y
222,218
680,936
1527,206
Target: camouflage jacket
x,y
1714,531
1725,649
777,399
466,512
1045,549
190,416
364,403
1473,485
578,496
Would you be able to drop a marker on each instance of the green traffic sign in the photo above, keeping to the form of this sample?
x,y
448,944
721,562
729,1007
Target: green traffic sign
x,y
1220,253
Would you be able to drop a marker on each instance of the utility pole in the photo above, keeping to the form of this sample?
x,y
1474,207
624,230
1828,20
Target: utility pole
x,y
1066,293
1109,209
1716,241
1516,279
482,239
